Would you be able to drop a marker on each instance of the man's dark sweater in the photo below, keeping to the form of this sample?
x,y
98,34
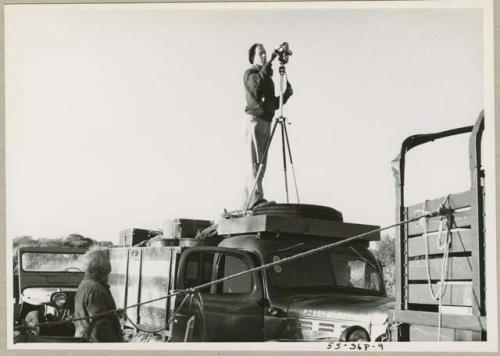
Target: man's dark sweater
x,y
259,90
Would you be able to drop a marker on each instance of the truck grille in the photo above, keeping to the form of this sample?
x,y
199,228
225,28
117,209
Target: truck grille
x,y
305,325
314,329
326,327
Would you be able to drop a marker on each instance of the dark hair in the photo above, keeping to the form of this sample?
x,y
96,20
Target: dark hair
x,y
251,51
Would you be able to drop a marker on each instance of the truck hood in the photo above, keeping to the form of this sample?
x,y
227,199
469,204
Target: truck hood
x,y
341,306
326,316
40,296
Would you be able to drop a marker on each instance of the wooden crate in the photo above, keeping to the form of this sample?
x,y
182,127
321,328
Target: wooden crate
x,y
131,237
183,228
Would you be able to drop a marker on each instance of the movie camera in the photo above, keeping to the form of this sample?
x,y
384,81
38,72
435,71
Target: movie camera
x,y
283,52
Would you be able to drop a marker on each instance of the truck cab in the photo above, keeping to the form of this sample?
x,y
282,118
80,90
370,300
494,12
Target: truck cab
x,y
330,295
324,296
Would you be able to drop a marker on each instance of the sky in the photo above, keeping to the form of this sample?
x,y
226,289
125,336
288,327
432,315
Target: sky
x,y
121,116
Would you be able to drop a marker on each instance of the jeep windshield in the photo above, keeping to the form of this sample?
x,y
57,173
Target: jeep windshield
x,y
51,262
350,268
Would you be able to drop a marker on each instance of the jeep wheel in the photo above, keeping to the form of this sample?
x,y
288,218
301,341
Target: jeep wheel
x,y
300,210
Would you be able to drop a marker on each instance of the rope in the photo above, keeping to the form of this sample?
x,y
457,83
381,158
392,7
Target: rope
x,y
198,299
109,312
251,270
445,247
312,251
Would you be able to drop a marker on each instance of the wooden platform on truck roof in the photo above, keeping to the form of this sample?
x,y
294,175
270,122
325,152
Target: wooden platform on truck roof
x,y
295,225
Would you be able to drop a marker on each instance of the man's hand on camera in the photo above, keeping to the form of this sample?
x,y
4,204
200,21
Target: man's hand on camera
x,y
273,56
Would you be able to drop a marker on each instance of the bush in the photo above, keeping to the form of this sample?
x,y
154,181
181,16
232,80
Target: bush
x,y
385,251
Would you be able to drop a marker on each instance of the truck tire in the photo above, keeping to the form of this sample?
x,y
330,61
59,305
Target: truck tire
x,y
300,211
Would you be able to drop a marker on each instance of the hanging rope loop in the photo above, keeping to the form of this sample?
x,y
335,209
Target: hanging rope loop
x,y
446,215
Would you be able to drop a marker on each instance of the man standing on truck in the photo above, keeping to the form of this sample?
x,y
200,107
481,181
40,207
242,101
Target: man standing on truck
x,y
261,105
93,297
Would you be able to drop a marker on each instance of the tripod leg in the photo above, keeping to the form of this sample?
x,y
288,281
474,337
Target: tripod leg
x,y
283,147
261,166
291,164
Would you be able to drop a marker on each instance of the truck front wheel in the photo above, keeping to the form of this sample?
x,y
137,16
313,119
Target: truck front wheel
x,y
355,334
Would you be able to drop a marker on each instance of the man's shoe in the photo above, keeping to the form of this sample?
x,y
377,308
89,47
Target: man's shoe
x,y
267,203
263,202
258,202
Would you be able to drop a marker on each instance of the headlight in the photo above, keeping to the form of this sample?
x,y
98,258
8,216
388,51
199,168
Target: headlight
x,y
59,299
355,334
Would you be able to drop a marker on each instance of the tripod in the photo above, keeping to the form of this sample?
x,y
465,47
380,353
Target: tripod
x,y
285,145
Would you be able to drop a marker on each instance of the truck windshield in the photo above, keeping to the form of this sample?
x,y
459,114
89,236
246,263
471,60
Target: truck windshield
x,y
349,269
51,262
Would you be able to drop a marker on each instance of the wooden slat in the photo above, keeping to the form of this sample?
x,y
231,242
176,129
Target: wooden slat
x,y
117,277
430,333
154,284
457,293
461,322
133,283
455,201
458,268
461,219
461,241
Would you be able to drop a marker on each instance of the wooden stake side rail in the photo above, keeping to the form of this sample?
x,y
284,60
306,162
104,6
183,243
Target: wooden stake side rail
x,y
419,261
420,255
141,274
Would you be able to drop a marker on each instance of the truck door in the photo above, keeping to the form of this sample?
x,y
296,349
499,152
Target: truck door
x,y
233,309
